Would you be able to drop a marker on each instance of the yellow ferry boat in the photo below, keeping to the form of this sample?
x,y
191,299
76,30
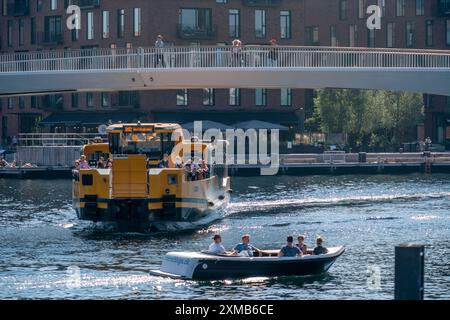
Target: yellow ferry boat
x,y
137,193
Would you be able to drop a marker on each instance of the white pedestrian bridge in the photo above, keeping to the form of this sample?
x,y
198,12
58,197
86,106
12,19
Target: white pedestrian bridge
x,y
422,71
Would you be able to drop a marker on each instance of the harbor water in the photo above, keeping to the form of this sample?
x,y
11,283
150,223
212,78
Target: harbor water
x,y
46,253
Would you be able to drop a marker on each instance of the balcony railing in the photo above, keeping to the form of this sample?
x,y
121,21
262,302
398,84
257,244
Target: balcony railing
x,y
45,38
224,57
196,33
262,3
444,7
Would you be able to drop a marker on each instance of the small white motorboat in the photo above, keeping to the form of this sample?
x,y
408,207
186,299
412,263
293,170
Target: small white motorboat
x,y
207,266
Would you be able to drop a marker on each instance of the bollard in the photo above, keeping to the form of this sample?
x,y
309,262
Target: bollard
x,y
409,271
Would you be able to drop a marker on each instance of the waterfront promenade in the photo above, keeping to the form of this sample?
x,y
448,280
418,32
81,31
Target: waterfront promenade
x,y
295,164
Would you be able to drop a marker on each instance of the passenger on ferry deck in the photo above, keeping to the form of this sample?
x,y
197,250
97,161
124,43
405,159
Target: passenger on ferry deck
x,y
83,163
188,171
164,163
101,163
301,244
204,170
320,249
289,250
216,247
178,162
245,248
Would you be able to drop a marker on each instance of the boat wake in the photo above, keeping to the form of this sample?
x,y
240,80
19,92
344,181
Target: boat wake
x,y
267,205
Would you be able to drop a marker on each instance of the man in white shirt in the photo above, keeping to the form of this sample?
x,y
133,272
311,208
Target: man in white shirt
x,y
216,247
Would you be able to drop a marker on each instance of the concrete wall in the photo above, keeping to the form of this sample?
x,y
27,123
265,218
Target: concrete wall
x,y
48,156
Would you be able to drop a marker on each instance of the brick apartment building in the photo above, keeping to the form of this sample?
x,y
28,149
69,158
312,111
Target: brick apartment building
x,y
29,25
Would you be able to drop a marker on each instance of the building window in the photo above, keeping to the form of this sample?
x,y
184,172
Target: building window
x,y
105,99
75,35
90,26
208,97
343,9
371,38
129,99
120,23
285,24
34,102
235,97
400,8
311,36
21,31
10,103
260,23
362,8
74,100
261,97
382,5
89,99
22,102
10,33
33,34
53,4
39,6
429,33
410,34
390,36
53,31
182,97
286,97
105,24
137,22
420,7
352,35
447,32
195,21
333,36
234,20
221,1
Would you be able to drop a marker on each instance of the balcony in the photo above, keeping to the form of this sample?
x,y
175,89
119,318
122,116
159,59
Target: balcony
x,y
17,8
45,38
196,33
444,7
88,4
261,3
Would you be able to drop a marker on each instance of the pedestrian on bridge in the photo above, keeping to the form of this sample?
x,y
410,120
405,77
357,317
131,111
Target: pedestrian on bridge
x,y
159,57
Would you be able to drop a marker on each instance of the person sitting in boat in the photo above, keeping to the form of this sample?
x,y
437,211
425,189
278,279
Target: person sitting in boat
x,y
216,247
245,248
164,163
301,244
289,250
319,249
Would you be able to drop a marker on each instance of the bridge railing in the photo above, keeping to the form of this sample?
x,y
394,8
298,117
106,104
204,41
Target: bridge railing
x,y
222,57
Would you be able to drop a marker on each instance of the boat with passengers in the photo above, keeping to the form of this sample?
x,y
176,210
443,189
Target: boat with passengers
x,y
208,266
136,193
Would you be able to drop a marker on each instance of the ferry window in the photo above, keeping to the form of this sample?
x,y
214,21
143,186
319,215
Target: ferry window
x,y
114,143
142,143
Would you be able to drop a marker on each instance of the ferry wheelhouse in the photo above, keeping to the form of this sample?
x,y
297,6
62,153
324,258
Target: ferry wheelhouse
x,y
136,193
